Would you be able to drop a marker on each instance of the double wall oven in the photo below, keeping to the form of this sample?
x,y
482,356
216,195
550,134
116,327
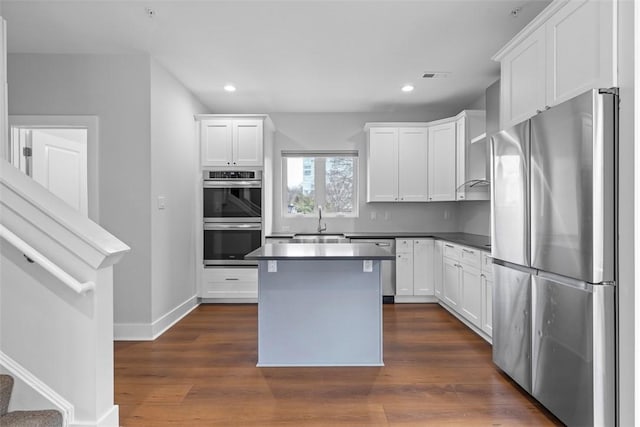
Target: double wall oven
x,y
232,213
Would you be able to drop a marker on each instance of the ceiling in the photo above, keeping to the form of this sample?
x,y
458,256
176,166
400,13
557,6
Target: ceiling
x,y
290,56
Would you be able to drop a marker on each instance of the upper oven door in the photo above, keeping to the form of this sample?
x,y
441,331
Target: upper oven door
x,y
232,201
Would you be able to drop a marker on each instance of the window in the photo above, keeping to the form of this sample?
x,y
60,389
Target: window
x,y
320,179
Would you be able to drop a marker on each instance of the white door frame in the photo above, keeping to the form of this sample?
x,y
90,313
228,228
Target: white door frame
x,y
87,122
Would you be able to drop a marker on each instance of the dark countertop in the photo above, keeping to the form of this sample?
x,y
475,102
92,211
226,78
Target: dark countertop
x,y
476,241
321,251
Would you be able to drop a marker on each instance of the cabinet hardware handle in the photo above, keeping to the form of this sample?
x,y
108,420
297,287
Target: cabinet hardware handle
x,y
449,246
468,251
539,111
231,278
547,107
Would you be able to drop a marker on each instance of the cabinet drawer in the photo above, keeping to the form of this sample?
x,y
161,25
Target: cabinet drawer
x,y
470,257
404,245
230,275
451,251
230,283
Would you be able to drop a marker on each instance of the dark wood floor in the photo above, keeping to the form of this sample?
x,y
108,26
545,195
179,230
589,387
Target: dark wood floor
x,y
202,373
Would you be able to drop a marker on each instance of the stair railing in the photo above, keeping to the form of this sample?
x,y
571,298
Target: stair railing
x,y
44,262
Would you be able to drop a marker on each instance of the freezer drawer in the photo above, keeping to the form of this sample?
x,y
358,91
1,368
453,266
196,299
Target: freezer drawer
x,y
512,323
573,368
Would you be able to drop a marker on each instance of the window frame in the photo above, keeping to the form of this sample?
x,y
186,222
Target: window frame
x,y
320,181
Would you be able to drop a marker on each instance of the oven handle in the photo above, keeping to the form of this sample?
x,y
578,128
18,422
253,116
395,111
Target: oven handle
x,y
232,184
215,226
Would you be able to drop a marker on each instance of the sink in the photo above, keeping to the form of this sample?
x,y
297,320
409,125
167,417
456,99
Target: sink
x,y
319,238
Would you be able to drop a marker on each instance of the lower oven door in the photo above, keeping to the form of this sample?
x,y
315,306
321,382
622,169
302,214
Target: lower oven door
x,y
227,244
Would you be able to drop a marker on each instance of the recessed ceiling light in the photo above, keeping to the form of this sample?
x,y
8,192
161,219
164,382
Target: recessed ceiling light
x,y
407,88
230,88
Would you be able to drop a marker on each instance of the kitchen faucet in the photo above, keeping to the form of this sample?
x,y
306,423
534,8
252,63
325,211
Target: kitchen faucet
x,y
321,227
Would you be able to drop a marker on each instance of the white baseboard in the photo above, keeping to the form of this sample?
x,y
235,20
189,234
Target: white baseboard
x,y
401,299
20,373
110,419
151,331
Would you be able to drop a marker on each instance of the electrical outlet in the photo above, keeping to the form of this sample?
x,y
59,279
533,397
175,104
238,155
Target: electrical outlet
x,y
446,214
162,202
387,215
367,266
272,266
372,215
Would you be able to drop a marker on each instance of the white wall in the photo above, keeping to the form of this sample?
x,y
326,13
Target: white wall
x,y
115,88
174,175
627,255
344,131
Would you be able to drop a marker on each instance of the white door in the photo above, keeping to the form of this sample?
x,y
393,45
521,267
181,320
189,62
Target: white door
x,y
216,138
412,165
247,143
59,163
382,164
451,282
423,267
442,162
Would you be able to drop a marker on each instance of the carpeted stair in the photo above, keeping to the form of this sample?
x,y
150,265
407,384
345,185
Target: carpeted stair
x,y
47,418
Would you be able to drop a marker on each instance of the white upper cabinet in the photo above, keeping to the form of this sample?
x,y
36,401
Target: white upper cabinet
x,y
471,158
442,162
382,165
231,142
412,165
522,84
580,49
397,164
568,49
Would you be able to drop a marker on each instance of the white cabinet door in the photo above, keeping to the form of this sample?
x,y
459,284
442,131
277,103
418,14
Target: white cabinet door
x,y
451,282
522,84
580,49
437,268
412,165
382,159
404,273
247,143
487,306
423,277
471,295
442,162
216,139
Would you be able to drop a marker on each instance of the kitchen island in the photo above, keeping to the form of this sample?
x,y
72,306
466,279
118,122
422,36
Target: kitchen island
x,y
319,304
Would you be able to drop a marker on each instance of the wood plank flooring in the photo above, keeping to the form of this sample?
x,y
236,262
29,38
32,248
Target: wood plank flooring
x,y
202,373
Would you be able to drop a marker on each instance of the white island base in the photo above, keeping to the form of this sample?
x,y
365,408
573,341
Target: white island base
x,y
319,312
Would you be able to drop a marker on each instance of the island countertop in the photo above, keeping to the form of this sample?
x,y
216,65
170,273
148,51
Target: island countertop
x,y
321,251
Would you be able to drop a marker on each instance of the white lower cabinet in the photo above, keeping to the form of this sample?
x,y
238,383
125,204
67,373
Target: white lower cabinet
x,y
451,282
437,268
487,294
467,284
471,294
230,283
414,269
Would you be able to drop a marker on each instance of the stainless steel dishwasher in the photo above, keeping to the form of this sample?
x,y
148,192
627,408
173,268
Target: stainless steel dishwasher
x,y
387,268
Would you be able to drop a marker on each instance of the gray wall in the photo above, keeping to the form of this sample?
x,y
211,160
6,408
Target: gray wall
x,y
174,175
344,131
474,217
116,89
147,148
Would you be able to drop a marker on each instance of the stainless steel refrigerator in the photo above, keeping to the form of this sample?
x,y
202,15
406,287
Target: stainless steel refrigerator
x,y
553,229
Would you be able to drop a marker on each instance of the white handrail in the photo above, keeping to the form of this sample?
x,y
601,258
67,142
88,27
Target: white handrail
x,y
45,263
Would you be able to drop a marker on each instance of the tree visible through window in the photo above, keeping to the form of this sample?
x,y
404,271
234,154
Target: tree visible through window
x,y
328,180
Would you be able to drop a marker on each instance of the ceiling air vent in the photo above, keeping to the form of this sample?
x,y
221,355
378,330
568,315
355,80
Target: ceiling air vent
x,y
436,74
